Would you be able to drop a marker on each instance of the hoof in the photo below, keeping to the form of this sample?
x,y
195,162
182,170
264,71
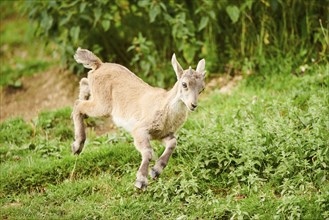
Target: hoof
x,y
154,173
77,148
142,185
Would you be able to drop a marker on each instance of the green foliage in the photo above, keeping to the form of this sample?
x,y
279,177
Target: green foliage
x,y
55,124
20,54
15,132
44,136
11,75
143,34
259,153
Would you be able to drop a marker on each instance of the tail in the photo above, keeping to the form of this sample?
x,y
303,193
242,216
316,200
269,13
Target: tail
x,y
87,59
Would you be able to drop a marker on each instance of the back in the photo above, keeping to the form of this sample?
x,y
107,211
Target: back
x,y
129,96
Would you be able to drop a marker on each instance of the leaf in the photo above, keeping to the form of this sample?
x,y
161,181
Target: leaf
x,y
65,20
106,25
212,14
132,47
154,11
143,3
17,84
250,2
74,32
108,16
189,53
233,12
203,23
83,6
97,14
163,6
46,21
247,4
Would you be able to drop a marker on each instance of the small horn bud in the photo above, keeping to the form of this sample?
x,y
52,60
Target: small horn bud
x,y
190,70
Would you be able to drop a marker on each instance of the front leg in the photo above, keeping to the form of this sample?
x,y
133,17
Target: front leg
x,y
79,129
170,143
142,143
81,108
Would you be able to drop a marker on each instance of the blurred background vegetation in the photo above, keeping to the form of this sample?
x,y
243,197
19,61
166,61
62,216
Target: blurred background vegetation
x,y
234,36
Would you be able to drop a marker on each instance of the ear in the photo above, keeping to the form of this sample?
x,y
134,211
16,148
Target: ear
x,y
177,67
201,67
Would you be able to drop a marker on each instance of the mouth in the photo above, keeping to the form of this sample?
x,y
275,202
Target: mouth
x,y
191,109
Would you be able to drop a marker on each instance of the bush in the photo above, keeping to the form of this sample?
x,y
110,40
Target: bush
x,y
143,34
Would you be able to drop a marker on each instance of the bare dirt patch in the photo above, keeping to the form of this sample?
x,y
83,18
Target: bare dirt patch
x,y
52,89
224,84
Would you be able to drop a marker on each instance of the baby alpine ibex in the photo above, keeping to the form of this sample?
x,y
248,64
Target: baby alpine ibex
x,y
146,112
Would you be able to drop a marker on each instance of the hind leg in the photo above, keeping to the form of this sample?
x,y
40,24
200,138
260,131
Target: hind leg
x,y
84,93
79,127
170,143
81,108
79,130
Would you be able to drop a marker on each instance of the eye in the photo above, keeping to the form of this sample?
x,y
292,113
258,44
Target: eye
x,y
184,85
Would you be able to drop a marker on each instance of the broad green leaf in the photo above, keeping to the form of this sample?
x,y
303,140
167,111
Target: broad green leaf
x,y
65,20
83,6
250,2
107,16
74,32
97,14
106,25
233,12
247,4
163,6
189,53
132,47
154,11
144,3
212,14
203,23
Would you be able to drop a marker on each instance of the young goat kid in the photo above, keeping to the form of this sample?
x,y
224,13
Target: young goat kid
x,y
146,112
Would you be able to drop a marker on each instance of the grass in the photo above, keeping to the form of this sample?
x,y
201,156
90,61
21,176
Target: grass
x,y
261,152
21,53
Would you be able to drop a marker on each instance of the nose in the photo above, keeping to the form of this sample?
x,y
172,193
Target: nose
x,y
194,105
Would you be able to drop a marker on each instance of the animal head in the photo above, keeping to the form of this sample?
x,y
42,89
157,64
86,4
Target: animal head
x,y
190,82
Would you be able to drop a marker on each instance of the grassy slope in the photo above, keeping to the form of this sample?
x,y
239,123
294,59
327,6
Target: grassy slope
x,y
21,54
261,152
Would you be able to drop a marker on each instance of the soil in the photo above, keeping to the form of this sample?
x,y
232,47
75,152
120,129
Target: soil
x,y
52,89
223,84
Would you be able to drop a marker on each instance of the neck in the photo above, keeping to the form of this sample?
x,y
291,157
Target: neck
x,y
174,101
174,112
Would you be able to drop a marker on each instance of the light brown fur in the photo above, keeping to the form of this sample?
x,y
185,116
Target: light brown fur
x,y
146,112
